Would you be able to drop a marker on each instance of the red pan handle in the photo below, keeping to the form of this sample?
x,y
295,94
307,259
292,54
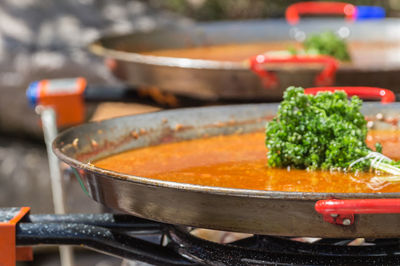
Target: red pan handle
x,y
294,11
386,96
342,212
358,206
325,78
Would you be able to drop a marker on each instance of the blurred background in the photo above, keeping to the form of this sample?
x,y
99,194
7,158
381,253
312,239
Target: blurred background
x,y
49,39
44,39
206,10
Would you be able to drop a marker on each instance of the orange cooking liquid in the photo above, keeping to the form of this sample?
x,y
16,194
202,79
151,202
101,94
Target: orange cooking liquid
x,y
239,161
362,53
226,52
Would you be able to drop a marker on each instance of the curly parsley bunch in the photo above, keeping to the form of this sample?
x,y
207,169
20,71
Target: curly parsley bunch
x,y
326,131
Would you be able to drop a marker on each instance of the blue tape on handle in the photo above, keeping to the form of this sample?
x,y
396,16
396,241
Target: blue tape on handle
x,y
32,93
370,12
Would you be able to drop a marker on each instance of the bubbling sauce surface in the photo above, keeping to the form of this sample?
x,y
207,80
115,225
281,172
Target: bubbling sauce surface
x,y
239,161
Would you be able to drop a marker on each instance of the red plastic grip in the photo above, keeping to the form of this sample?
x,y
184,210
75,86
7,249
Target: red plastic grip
x,y
386,96
341,212
325,78
294,11
357,206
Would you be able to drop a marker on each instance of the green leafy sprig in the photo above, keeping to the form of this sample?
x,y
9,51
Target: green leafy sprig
x,y
326,131
325,43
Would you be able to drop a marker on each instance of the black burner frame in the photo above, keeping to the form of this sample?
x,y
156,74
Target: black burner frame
x,y
135,238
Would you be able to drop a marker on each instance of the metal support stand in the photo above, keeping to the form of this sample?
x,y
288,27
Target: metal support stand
x,y
49,124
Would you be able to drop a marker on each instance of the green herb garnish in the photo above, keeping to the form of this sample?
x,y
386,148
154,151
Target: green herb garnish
x,y
326,131
326,43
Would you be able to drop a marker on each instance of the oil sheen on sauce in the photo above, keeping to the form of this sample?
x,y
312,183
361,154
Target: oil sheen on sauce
x,y
239,161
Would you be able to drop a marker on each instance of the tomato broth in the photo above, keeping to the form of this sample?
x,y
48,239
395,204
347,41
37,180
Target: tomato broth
x,y
239,161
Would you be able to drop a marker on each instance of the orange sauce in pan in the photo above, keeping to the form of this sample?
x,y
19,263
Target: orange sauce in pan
x,y
239,161
362,53
226,52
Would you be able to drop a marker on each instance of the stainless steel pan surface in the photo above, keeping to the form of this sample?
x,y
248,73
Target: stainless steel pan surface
x,y
372,64
250,211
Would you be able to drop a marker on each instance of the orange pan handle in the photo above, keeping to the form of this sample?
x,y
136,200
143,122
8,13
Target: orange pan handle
x,y
270,80
294,11
386,96
342,212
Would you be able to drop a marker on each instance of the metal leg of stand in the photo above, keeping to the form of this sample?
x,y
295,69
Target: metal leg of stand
x,y
49,124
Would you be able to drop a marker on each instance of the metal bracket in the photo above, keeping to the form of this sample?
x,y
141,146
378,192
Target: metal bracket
x,y
339,219
9,253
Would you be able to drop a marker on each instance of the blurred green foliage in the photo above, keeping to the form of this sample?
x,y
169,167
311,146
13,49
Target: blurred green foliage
x,y
324,43
241,9
327,43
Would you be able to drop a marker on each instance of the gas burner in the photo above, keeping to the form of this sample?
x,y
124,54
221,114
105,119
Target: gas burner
x,y
134,238
271,250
